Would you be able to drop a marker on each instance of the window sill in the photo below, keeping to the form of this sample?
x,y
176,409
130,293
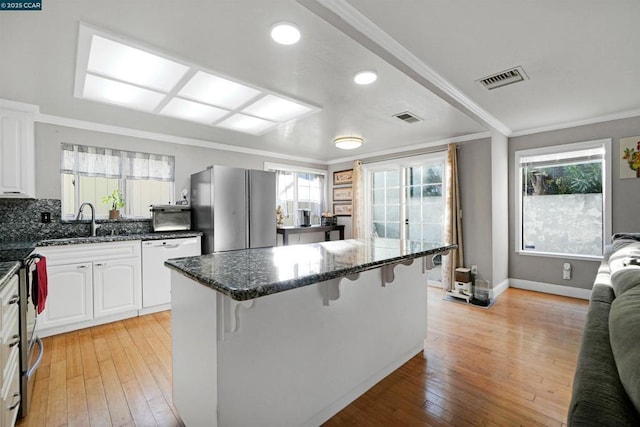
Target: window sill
x,y
597,258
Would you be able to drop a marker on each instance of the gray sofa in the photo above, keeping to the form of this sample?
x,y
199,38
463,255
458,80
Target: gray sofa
x,y
606,386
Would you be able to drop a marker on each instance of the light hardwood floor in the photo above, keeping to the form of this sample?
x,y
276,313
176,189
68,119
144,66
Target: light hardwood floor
x,y
512,364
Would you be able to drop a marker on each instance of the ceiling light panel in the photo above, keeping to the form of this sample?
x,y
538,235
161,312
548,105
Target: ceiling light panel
x,y
277,109
247,124
109,69
194,111
113,92
214,90
131,65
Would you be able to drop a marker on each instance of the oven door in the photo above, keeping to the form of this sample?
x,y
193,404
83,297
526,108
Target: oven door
x,y
31,348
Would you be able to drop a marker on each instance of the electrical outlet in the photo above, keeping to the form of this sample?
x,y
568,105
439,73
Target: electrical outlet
x,y
474,269
566,271
45,217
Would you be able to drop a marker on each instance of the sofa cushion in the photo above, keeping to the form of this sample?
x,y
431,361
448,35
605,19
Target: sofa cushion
x,y
625,278
598,395
624,334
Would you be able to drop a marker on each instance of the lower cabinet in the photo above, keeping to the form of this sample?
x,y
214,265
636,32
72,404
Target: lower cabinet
x,y
89,283
9,353
117,286
70,296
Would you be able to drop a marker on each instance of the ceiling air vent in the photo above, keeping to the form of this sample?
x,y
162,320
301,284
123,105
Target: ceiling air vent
x,y
513,75
407,117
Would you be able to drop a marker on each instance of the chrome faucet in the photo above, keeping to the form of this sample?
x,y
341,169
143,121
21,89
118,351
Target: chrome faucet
x,y
94,226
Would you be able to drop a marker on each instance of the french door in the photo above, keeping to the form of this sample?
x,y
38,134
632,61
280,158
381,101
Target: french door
x,y
406,199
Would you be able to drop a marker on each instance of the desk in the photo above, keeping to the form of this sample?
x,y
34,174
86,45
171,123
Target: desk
x,y
285,231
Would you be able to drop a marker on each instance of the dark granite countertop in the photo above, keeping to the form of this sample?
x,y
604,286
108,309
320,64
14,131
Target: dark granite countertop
x,y
158,235
7,270
17,251
253,273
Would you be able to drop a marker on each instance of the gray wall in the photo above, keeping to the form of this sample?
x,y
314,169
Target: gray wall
x,y
189,159
474,175
625,201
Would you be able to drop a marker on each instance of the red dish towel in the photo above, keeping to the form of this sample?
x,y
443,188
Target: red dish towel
x,y
43,285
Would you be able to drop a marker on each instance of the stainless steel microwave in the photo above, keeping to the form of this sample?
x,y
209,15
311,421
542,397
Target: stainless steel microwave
x,y
171,217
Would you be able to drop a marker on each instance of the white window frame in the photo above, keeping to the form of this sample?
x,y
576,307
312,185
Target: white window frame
x,y
399,163
269,166
122,186
606,194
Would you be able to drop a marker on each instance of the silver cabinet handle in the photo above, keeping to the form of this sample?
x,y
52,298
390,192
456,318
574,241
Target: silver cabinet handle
x,y
15,405
100,264
16,342
14,299
82,266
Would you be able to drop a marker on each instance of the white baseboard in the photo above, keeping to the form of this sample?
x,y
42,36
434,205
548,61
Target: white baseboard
x,y
548,288
154,309
499,288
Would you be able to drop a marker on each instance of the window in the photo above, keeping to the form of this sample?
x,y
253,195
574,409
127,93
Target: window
x,y
91,173
299,188
563,201
405,198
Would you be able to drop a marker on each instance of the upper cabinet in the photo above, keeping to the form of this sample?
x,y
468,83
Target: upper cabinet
x,y
17,150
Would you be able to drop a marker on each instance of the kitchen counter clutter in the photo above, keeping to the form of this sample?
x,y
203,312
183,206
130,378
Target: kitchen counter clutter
x,y
291,335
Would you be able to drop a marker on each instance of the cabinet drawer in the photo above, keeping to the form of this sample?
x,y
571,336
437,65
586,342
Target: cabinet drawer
x,y
11,393
8,299
10,340
69,254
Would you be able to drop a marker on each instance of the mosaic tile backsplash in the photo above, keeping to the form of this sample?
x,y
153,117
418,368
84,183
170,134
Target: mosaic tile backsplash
x,y
20,221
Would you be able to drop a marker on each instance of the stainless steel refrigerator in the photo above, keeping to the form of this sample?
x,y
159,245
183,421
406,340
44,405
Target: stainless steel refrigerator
x,y
234,208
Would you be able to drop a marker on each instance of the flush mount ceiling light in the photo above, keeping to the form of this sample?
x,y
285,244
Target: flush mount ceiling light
x,y
285,33
348,142
365,77
112,70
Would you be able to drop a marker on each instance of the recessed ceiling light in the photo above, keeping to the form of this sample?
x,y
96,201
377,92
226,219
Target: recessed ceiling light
x,y
348,142
194,111
129,64
113,92
285,33
277,109
365,77
214,90
248,124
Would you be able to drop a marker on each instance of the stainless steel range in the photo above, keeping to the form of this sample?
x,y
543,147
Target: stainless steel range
x,y
31,348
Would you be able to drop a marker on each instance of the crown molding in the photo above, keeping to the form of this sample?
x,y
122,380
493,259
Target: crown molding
x,y
408,148
567,125
156,136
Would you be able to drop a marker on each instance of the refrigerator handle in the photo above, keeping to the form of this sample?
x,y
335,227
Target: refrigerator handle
x,y
247,206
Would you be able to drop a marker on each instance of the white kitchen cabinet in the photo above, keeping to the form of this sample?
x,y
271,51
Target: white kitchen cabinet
x,y
17,151
116,286
90,284
9,353
70,295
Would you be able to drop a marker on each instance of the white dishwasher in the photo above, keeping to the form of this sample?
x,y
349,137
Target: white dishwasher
x,y
156,278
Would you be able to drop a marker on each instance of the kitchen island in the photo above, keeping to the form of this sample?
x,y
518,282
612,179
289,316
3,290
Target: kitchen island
x,y
288,336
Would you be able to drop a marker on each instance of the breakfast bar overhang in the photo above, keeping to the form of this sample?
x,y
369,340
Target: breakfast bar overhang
x,y
288,336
